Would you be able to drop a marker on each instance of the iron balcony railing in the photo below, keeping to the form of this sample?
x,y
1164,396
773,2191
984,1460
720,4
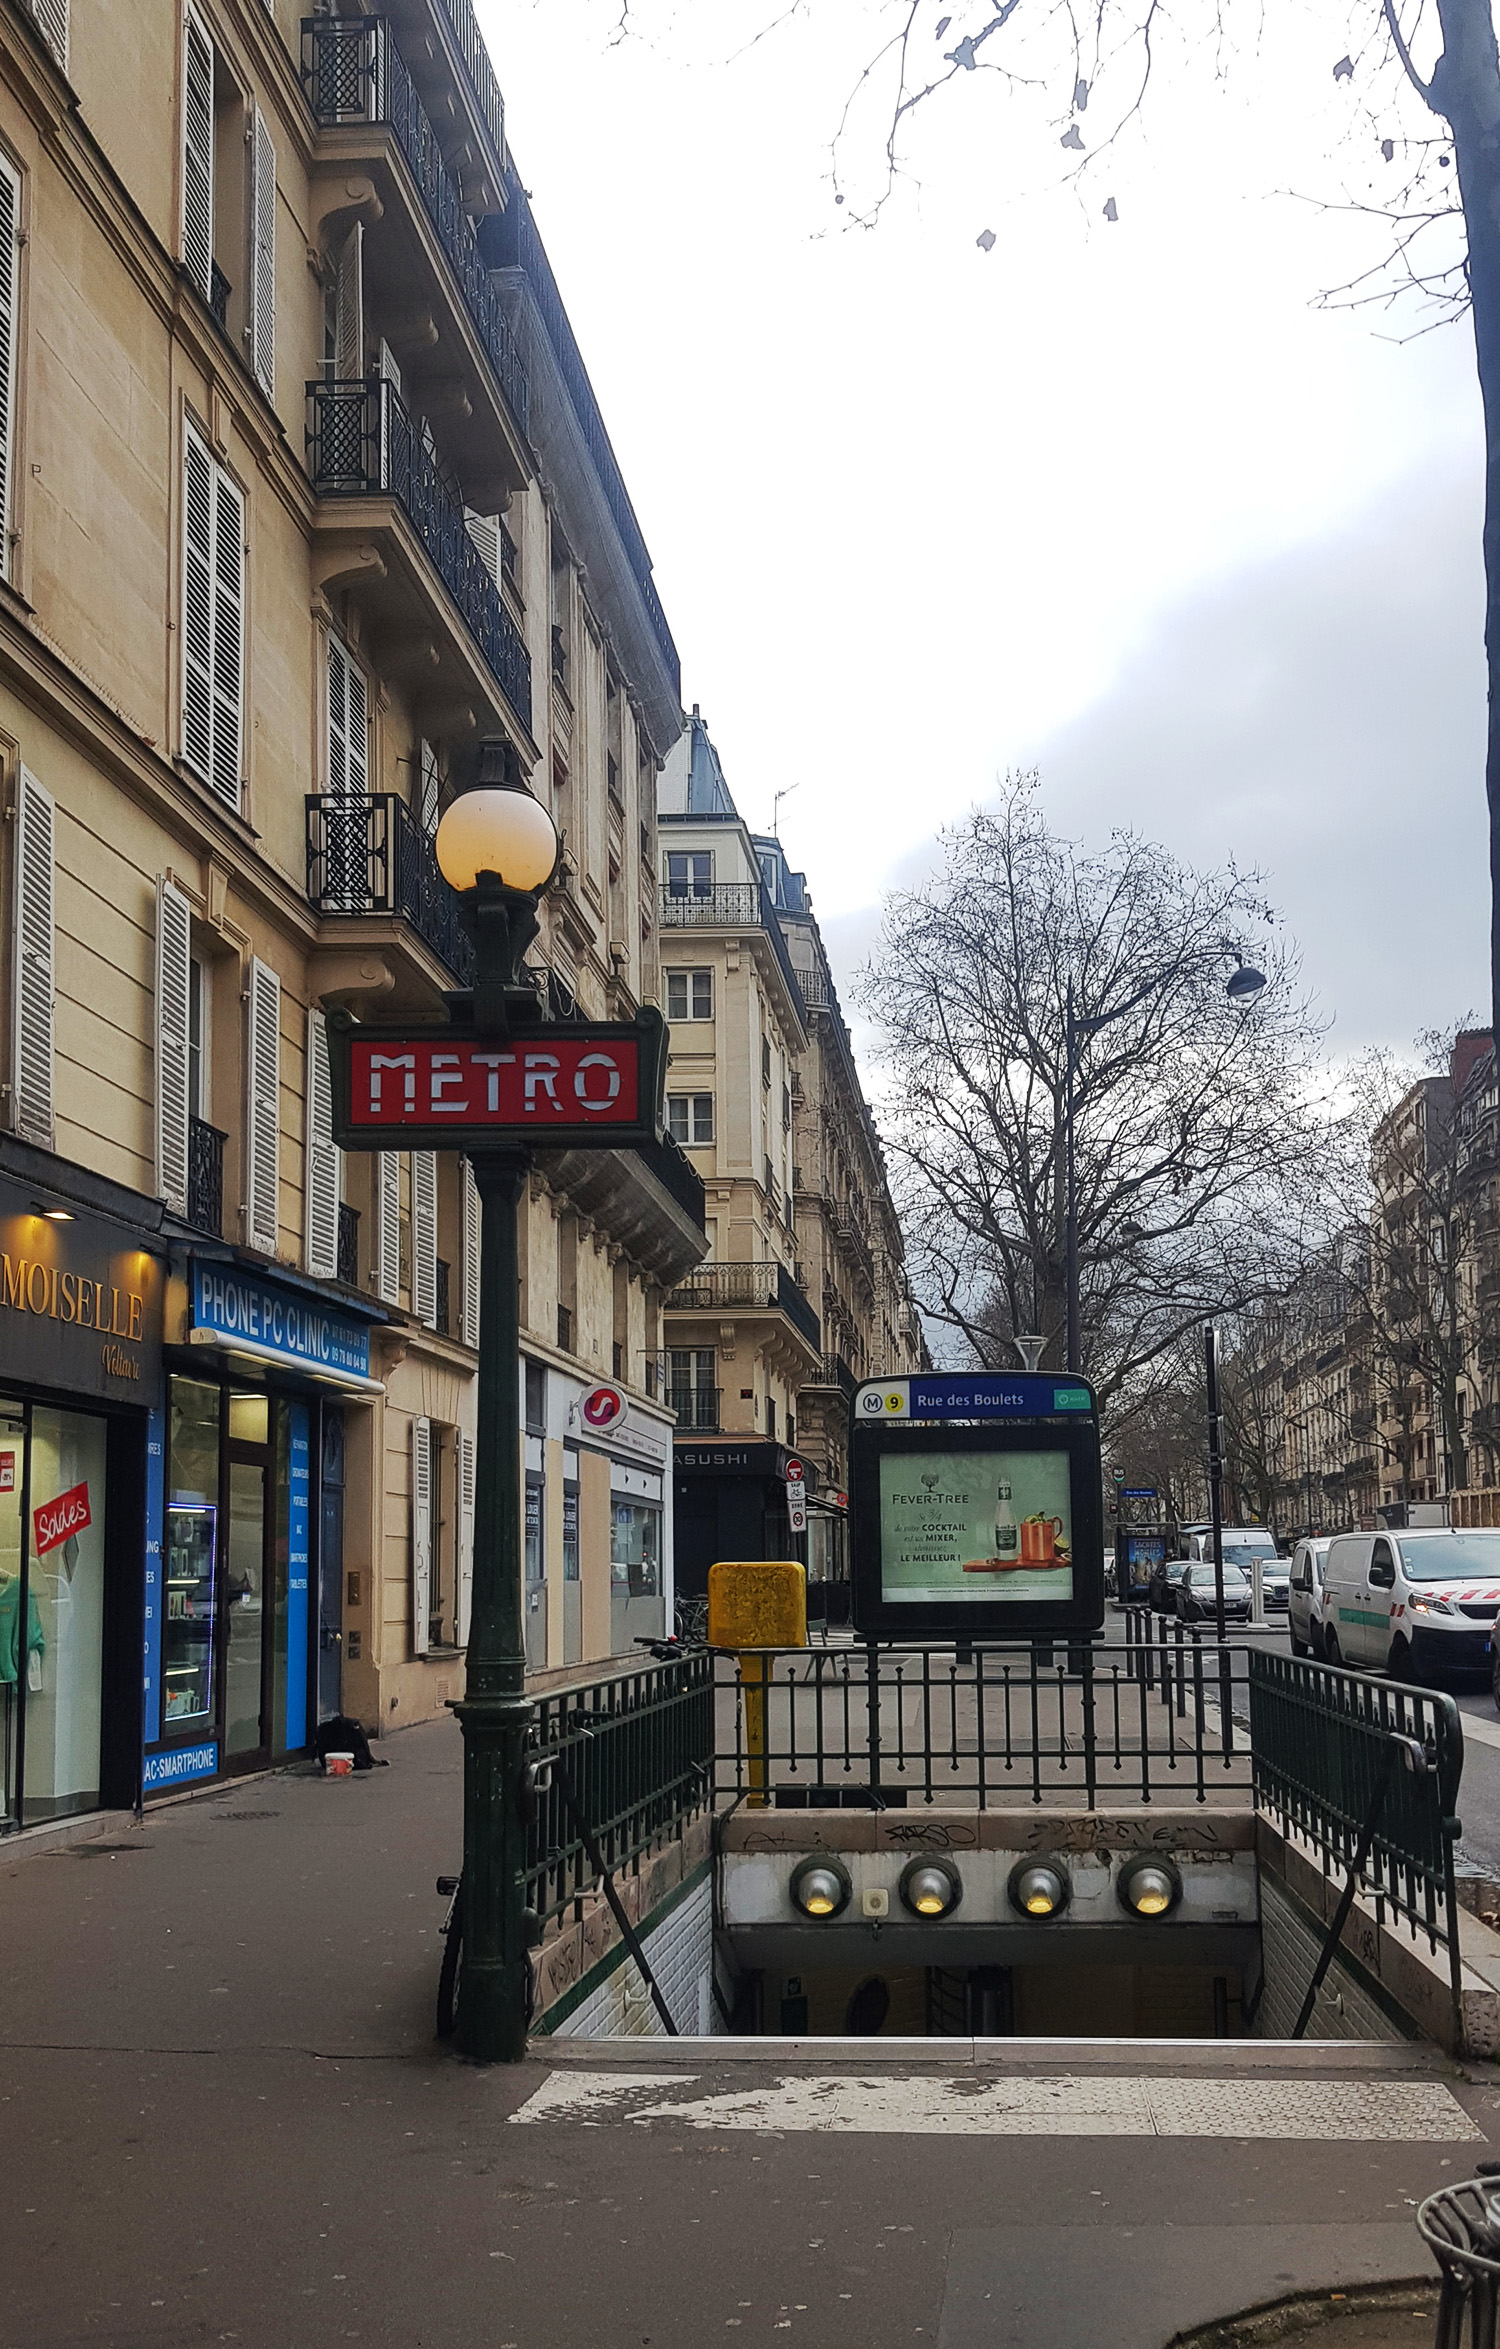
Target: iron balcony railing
x,y
836,1373
205,1186
676,1173
366,853
728,905
509,240
762,1288
637,1754
362,442
352,71
696,1407
348,1245
477,66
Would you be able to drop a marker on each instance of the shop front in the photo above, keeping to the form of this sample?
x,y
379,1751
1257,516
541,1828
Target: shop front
x,y
80,1394
731,1503
244,1600
598,1525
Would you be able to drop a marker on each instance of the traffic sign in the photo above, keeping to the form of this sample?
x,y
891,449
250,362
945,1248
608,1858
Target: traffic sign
x,y
544,1085
795,1472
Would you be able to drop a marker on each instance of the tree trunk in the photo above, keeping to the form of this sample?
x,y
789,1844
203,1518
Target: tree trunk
x,y
1465,89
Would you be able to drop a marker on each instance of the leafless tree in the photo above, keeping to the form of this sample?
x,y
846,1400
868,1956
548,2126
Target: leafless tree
x,y
1192,1116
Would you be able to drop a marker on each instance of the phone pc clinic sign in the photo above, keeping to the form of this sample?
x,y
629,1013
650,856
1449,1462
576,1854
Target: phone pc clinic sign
x,y
228,1304
555,1084
976,1507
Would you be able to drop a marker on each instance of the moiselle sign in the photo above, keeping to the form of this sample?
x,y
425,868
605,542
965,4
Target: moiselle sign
x,y
548,1085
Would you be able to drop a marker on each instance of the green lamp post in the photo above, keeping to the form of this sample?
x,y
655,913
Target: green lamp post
x,y
499,849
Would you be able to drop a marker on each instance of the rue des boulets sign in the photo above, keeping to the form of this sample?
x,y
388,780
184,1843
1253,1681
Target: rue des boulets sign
x,y
550,1085
77,1308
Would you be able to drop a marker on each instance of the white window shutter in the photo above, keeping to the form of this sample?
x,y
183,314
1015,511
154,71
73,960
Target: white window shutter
x,y
52,23
465,1534
34,975
429,788
229,638
388,1226
421,1535
213,620
484,531
197,606
10,279
263,1111
322,1156
469,1324
424,1236
263,258
198,155
173,958
348,723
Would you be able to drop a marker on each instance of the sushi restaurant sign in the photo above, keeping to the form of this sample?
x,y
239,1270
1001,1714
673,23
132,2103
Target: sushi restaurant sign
x,y
80,1305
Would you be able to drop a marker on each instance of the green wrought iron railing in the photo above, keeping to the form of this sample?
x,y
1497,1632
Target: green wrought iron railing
x,y
637,1757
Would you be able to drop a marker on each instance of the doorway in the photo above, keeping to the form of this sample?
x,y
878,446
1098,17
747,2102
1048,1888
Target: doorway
x,y
248,1584
331,1568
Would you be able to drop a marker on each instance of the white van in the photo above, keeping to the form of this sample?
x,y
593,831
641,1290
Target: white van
x,y
1305,1598
1420,1601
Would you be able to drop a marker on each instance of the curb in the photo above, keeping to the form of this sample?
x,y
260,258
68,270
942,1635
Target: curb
x,y
1309,2312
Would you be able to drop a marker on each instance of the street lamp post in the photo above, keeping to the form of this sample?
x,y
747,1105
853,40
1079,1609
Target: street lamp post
x,y
498,848
1242,987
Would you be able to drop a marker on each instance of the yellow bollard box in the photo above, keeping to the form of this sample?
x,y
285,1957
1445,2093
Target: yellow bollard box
x,y
757,1603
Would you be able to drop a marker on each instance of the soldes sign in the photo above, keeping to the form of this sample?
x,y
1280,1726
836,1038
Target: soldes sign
x,y
558,1085
55,1520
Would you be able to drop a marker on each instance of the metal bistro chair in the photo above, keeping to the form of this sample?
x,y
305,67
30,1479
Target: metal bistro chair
x,y
1461,2227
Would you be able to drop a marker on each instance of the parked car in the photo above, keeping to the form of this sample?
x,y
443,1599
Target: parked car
x,y
1275,1572
1305,1599
1419,1602
1197,1595
1161,1590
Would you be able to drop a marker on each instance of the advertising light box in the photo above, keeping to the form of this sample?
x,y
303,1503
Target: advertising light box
x,y
984,1529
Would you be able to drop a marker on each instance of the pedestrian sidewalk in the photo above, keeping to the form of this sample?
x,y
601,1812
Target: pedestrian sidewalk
x,y
226,2119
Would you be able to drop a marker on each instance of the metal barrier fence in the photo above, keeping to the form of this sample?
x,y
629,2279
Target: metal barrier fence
x,y
636,1752
983,1727
1367,1771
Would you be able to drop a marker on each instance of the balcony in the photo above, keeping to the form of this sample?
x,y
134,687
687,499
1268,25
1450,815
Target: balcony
x,y
367,854
511,241
747,1288
730,905
348,1245
696,1408
205,1188
362,443
835,1372
354,74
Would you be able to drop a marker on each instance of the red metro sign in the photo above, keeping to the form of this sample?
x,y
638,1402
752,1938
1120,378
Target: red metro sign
x,y
562,1084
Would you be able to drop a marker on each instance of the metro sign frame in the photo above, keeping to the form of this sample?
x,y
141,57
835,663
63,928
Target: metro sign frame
x,y
541,1085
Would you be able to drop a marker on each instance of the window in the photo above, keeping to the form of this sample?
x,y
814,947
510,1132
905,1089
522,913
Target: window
x,y
261,326
428,788
536,1398
198,156
510,563
690,1118
565,1328
387,1266
786,1109
690,873
213,621
617,1360
690,995
51,20
424,1236
197,1040
765,1060
771,1417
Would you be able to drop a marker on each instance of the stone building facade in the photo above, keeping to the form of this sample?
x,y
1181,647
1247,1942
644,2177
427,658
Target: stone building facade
x,y
307,498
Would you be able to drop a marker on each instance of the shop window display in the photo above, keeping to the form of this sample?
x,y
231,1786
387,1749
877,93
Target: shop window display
x,y
191,1537
635,1602
64,1712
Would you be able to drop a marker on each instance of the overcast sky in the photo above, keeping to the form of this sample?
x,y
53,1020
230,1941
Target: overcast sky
x,y
1116,500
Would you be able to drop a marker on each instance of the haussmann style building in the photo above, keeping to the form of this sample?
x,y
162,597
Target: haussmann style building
x,y
308,509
